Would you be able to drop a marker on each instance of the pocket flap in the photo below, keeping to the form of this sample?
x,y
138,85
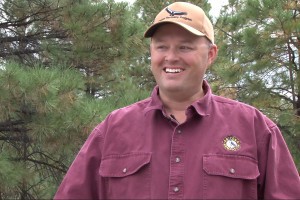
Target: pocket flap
x,y
234,166
124,164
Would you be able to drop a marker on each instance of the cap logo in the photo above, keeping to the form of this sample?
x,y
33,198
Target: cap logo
x,y
173,13
231,143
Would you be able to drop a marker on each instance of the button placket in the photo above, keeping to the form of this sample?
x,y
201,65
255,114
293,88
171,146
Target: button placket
x,y
176,185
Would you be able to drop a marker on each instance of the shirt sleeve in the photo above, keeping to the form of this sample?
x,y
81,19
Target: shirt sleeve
x,y
279,177
82,180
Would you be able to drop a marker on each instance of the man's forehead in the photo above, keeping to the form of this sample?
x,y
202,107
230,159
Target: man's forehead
x,y
157,38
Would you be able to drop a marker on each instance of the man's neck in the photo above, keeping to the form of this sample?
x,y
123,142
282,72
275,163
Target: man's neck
x,y
176,104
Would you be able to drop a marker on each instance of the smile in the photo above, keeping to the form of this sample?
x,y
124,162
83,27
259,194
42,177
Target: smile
x,y
170,70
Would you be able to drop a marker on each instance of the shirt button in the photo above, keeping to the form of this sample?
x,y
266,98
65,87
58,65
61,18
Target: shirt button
x,y
124,170
232,171
176,189
177,160
179,131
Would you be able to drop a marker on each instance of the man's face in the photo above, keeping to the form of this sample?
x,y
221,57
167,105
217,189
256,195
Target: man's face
x,y
179,59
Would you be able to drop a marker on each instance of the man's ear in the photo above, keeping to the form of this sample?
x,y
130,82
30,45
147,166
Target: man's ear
x,y
212,54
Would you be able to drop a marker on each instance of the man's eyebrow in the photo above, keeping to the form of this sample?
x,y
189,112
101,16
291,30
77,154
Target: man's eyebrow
x,y
158,39
187,41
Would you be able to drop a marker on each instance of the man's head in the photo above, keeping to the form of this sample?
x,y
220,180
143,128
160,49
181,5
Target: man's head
x,y
182,48
186,15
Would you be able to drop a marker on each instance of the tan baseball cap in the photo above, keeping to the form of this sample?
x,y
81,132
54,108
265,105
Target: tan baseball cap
x,y
186,15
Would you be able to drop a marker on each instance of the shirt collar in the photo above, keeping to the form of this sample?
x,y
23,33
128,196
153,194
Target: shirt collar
x,y
201,106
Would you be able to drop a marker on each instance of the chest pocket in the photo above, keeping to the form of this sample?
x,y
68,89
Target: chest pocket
x,y
127,176
230,176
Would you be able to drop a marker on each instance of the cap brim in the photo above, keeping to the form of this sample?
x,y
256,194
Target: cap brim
x,y
151,30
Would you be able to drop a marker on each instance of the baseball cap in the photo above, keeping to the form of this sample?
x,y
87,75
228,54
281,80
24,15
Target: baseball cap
x,y
186,15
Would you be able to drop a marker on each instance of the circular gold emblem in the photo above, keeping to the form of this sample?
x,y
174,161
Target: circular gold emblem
x,y
231,143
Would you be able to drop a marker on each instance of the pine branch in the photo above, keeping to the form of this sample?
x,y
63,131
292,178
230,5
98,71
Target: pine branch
x,y
48,157
32,18
21,52
23,138
47,164
11,123
37,36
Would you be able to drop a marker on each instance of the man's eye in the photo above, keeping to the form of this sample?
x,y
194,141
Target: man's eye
x,y
185,48
161,47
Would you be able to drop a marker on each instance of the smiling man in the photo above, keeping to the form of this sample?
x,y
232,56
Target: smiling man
x,y
183,142
179,60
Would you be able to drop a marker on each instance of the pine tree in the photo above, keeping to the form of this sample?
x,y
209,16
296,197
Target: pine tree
x,y
259,59
44,119
48,111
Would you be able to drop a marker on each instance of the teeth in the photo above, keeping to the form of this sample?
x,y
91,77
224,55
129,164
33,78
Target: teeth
x,y
168,70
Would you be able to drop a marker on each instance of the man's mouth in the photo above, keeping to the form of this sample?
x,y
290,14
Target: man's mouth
x,y
172,70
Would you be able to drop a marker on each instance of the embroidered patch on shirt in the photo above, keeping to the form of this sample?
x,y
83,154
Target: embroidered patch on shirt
x,y
231,143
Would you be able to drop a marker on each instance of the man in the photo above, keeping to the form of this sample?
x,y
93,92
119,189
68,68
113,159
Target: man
x,y
183,142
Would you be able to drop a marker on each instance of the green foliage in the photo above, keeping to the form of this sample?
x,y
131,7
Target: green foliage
x,y
132,84
259,37
11,172
42,110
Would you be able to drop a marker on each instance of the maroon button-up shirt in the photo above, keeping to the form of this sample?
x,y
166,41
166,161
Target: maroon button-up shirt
x,y
224,150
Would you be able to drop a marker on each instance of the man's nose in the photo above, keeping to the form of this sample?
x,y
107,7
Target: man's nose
x,y
171,55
